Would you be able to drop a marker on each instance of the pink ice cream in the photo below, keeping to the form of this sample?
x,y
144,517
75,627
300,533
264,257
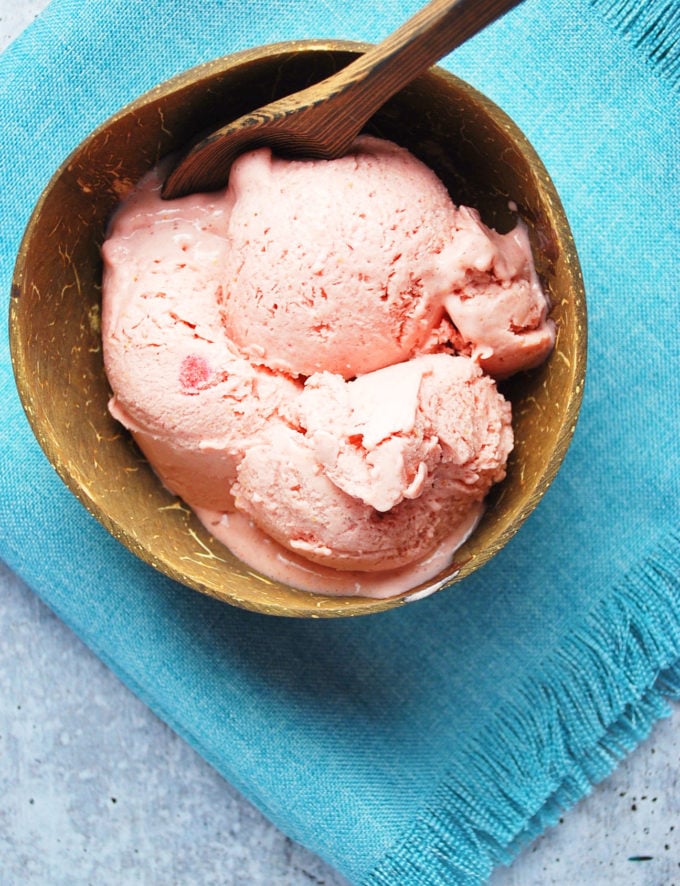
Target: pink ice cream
x,y
306,359
191,401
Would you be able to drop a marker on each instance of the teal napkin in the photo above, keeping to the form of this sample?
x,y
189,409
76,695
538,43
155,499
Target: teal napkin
x,y
424,745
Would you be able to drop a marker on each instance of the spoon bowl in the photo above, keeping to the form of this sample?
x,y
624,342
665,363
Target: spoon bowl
x,y
477,151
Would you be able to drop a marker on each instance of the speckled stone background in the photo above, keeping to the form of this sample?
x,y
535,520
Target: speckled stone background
x,y
94,789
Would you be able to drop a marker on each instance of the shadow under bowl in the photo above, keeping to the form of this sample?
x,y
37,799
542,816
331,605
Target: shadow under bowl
x,y
477,151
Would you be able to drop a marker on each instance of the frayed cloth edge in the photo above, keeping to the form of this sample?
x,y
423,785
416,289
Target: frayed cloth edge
x,y
652,27
591,703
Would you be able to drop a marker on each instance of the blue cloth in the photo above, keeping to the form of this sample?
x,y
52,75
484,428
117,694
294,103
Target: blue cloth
x,y
424,745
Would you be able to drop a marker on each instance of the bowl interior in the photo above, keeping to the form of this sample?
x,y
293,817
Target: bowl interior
x,y
55,308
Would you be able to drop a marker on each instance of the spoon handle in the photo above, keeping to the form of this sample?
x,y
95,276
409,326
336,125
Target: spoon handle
x,y
356,92
323,120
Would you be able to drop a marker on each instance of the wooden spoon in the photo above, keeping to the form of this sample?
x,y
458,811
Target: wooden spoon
x,y
324,119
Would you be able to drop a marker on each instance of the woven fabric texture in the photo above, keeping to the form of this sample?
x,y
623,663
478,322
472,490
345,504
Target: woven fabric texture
x,y
425,745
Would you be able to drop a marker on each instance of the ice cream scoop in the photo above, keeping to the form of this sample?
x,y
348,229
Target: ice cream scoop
x,y
324,119
389,465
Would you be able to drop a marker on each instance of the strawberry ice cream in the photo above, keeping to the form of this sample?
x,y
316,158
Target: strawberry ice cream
x,y
308,358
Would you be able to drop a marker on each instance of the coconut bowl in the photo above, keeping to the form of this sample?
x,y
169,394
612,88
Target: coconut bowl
x,y
474,147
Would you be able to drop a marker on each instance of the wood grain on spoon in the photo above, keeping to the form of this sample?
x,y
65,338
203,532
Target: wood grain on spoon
x,y
324,119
